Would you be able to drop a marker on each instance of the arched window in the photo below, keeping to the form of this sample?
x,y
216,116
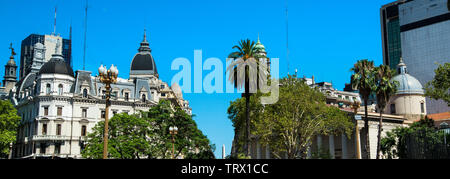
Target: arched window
x,y
85,93
60,89
143,98
48,90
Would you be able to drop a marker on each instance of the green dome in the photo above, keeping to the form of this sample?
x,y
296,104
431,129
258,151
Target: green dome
x,y
259,47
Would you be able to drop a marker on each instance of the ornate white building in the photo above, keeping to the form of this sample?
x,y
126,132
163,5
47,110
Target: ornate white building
x,y
59,108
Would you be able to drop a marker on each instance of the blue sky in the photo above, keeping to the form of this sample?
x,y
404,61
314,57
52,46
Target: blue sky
x,y
325,38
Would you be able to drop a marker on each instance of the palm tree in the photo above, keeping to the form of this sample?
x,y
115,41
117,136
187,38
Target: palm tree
x,y
363,80
242,74
384,88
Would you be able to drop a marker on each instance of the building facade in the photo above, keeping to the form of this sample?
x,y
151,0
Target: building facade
x,y
59,107
418,31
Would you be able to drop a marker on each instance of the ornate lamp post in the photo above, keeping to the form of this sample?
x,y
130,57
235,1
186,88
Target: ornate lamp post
x,y
107,77
355,107
173,131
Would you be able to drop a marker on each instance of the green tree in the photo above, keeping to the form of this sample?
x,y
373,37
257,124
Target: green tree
x,y
244,74
289,125
439,87
419,141
9,123
363,80
126,139
146,135
384,88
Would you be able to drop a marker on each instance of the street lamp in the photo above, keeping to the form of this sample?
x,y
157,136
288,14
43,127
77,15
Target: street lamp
x,y
107,77
173,131
355,106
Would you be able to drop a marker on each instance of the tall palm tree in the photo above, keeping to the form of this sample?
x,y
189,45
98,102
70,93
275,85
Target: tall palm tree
x,y
242,75
384,88
363,80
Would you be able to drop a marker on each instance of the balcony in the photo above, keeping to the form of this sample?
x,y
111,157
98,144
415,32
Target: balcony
x,y
50,138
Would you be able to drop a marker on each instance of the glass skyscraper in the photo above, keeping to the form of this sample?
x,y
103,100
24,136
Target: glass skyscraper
x,y
418,31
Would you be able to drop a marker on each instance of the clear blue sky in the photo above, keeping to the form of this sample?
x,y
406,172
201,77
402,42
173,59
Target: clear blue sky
x,y
325,37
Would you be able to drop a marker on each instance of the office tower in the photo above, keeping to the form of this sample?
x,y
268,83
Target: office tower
x,y
27,52
418,31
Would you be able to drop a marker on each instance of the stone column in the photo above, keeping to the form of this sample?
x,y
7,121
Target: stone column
x,y
319,142
331,145
267,152
258,150
344,146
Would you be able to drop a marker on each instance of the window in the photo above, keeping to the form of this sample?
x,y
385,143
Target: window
x,y
163,94
422,107
43,148
60,89
58,129
115,94
114,113
103,115
143,98
85,93
48,89
59,113
83,130
126,96
46,111
44,129
57,148
84,113
162,86
392,108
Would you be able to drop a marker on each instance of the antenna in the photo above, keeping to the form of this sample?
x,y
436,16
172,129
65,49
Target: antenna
x,y
54,25
287,35
85,32
70,45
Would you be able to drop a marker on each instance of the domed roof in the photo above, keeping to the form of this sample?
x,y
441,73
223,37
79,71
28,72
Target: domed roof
x,y
11,62
56,66
259,47
143,62
407,83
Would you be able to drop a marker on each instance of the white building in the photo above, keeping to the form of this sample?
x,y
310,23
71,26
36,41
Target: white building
x,y
59,108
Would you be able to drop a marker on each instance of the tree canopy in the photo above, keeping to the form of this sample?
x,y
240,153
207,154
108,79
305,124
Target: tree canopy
x,y
439,87
289,125
146,135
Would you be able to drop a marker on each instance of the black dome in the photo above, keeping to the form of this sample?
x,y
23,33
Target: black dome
x,y
143,62
57,66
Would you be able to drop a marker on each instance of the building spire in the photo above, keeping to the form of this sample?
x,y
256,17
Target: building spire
x,y
145,35
145,46
401,66
12,51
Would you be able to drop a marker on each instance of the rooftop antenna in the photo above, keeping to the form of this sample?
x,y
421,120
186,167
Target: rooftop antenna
x,y
85,32
70,46
54,24
287,35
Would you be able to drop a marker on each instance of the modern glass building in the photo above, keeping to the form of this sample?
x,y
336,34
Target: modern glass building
x,y
49,41
418,31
